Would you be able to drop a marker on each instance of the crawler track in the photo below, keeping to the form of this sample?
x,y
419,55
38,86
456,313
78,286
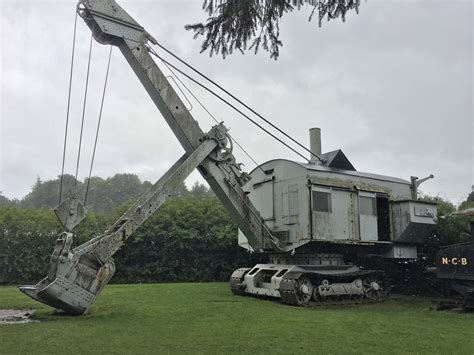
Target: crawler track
x,y
236,281
315,288
292,285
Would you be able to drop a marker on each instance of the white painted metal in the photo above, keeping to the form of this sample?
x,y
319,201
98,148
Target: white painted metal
x,y
347,221
367,216
314,144
264,279
335,222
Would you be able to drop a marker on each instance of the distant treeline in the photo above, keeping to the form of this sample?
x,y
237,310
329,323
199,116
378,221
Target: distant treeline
x,y
104,195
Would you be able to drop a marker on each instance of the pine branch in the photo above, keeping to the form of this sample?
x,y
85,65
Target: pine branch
x,y
250,24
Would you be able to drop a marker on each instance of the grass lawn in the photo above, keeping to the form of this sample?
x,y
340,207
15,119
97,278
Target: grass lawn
x,y
207,318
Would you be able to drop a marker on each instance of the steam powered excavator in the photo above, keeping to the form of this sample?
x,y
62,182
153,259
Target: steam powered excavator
x,y
318,222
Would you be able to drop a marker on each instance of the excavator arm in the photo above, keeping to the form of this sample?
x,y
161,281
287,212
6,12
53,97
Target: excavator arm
x,y
76,277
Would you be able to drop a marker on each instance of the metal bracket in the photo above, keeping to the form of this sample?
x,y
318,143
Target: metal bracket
x,y
70,212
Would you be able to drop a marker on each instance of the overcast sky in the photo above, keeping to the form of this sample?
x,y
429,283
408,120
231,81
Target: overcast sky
x,y
391,87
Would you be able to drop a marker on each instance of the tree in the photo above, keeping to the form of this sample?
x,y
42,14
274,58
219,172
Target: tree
x,y
104,195
6,202
187,239
469,203
46,194
444,207
449,229
200,190
249,24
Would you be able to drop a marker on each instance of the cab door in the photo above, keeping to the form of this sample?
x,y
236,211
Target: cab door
x,y
331,211
368,216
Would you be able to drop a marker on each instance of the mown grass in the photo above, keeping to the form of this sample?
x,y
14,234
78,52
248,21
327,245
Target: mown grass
x,y
206,318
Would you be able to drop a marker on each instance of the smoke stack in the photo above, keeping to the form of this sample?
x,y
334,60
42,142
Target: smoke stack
x,y
314,144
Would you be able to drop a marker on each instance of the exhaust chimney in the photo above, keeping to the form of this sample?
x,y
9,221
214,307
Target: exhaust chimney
x,y
314,144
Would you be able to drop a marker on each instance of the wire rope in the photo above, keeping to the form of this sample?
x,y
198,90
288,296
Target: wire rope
x,y
228,103
98,125
257,217
67,110
212,116
238,100
83,111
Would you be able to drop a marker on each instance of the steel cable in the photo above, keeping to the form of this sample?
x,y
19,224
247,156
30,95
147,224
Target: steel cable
x,y
228,103
257,217
83,111
98,125
239,101
212,116
68,107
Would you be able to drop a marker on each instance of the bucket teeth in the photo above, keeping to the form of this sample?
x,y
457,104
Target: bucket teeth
x,y
30,290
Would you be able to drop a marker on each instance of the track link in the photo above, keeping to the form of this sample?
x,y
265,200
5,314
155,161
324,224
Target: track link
x,y
236,281
293,285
